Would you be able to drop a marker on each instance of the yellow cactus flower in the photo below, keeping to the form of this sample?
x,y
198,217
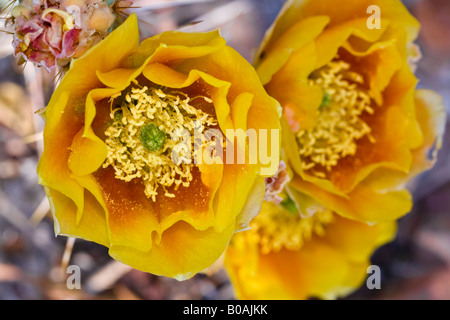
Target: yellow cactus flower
x,y
122,131
355,129
290,256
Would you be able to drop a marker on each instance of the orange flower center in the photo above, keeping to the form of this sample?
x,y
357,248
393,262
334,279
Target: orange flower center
x,y
339,125
279,228
143,139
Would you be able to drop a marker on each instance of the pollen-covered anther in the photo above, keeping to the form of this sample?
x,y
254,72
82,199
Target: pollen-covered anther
x,y
279,229
340,124
144,134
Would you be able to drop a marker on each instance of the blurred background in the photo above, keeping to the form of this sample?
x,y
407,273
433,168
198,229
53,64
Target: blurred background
x,y
32,260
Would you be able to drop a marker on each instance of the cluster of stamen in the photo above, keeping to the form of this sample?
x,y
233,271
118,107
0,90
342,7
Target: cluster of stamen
x,y
278,228
339,125
145,133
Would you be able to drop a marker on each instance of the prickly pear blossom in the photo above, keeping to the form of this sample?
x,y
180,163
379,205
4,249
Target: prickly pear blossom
x,y
114,167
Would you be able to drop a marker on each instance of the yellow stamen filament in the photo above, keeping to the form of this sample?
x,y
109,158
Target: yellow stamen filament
x,y
172,115
339,123
277,229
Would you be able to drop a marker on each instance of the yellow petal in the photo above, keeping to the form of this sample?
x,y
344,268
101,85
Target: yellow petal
x,y
122,42
130,223
327,266
313,271
169,46
378,64
165,76
229,65
88,151
64,114
52,168
358,240
391,10
365,203
237,182
182,252
239,110
252,205
277,53
401,93
431,116
91,227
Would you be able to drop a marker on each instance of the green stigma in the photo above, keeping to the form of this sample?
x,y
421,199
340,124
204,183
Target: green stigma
x,y
152,138
289,205
326,100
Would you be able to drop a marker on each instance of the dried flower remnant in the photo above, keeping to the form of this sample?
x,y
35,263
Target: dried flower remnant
x,y
51,33
275,185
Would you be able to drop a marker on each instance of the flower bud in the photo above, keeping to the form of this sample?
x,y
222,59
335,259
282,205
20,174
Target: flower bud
x,y
20,10
79,3
101,19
